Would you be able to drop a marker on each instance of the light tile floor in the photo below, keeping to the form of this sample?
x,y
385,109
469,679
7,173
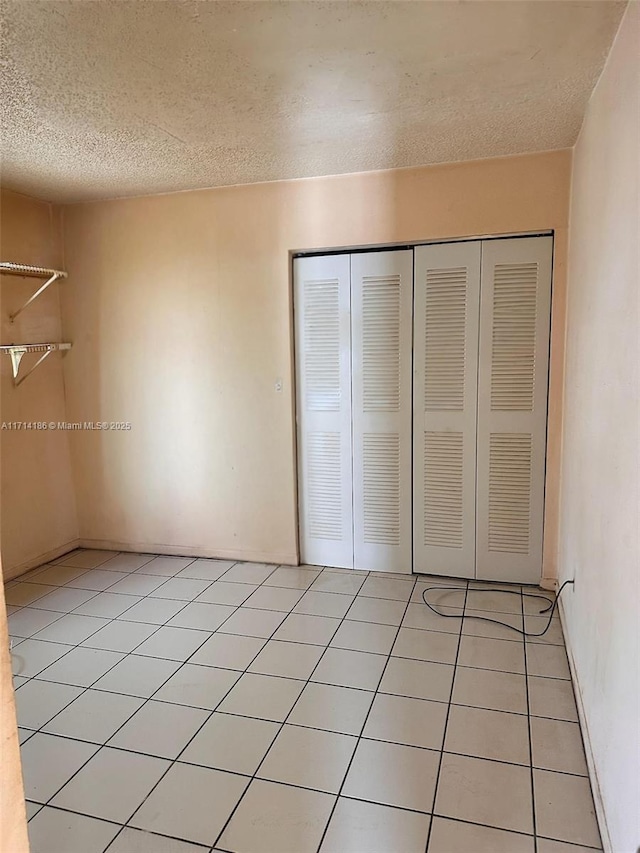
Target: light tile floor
x,y
171,705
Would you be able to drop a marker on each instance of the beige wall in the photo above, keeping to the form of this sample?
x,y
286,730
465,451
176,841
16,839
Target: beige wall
x,y
179,307
599,530
38,504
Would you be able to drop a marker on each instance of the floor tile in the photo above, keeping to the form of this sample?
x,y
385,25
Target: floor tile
x,y
316,630
278,818
230,651
32,809
112,784
32,656
126,562
494,600
434,646
180,589
86,559
81,666
557,745
443,598
172,643
56,831
293,577
274,598
206,570
364,637
119,636
483,623
48,762
96,579
57,575
192,803
227,742
418,679
345,582
94,716
380,610
167,566
140,841
263,696
488,734
137,676
290,660
138,584
486,653
308,758
24,735
63,599
335,709
547,661
356,827
71,629
552,697
533,606
564,808
448,836
546,845
414,722
253,623
418,615
221,592
107,604
324,604
28,621
198,686
408,779
205,617
487,792
346,668
153,611
551,635
498,691
253,573
398,590
160,728
38,701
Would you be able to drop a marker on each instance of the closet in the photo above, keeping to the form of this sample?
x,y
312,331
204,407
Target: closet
x,y
422,406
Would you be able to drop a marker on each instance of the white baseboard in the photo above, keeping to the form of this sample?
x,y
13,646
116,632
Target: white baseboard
x,y
32,562
601,816
283,558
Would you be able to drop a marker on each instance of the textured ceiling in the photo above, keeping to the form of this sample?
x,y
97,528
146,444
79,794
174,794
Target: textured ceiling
x,y
129,97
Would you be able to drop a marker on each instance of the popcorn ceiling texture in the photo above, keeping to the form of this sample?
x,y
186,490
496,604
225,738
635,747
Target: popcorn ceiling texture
x,y
105,99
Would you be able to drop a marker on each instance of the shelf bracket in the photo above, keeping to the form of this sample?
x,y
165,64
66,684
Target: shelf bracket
x,y
17,351
31,272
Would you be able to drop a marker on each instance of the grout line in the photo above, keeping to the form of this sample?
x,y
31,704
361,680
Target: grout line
x,y
526,682
364,724
446,723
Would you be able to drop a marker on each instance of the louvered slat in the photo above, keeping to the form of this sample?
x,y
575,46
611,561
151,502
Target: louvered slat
x,y
381,343
514,337
445,327
324,479
381,492
509,492
443,484
322,345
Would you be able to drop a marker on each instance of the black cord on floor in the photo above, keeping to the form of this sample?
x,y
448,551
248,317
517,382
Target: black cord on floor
x,y
551,606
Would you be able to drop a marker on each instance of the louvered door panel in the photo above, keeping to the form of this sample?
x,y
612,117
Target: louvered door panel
x,y
323,378
381,294
512,407
446,305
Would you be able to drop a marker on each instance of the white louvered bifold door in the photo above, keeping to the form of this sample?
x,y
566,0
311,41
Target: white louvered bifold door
x,y
445,371
381,305
323,369
512,407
